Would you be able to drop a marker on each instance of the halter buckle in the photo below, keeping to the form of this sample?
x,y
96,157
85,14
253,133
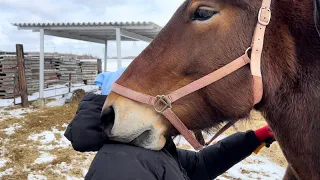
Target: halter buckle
x,y
264,16
161,104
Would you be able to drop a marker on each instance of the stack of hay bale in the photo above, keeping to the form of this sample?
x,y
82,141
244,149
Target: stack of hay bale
x,y
88,70
8,74
32,72
56,71
68,66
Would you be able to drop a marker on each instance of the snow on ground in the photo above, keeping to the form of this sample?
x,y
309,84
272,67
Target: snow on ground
x,y
11,129
48,141
3,162
36,177
13,113
44,158
256,167
59,100
45,137
7,172
56,90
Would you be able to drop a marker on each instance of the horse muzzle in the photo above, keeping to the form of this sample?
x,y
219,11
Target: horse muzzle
x,y
127,121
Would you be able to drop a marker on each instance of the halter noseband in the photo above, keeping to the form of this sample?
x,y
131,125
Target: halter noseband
x,y
163,103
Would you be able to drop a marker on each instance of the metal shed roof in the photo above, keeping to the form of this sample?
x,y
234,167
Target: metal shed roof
x,y
97,32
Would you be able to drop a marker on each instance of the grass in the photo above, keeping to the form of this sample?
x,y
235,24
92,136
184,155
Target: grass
x,y
23,152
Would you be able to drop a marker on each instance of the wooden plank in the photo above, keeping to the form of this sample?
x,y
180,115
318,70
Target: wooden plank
x,y
22,77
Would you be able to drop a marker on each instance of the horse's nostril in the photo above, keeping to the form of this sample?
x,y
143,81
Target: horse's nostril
x,y
107,120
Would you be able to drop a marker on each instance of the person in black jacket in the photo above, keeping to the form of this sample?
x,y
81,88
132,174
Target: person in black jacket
x,y
117,161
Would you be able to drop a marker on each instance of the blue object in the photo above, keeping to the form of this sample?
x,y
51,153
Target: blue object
x,y
106,79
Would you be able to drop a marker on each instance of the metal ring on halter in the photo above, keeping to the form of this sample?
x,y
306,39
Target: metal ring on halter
x,y
161,99
248,49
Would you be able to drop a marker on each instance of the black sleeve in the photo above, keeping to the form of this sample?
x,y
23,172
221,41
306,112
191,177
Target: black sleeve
x,y
218,158
85,132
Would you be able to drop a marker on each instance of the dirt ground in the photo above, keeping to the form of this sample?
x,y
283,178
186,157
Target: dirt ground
x,y
23,153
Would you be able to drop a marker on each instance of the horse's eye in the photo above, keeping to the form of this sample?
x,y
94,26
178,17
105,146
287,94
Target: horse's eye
x,y
203,13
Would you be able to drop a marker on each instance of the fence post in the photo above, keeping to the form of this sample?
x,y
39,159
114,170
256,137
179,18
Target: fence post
x,y
14,88
69,82
22,75
99,66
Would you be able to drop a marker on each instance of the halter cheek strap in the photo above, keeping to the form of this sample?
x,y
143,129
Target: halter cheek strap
x,y
163,103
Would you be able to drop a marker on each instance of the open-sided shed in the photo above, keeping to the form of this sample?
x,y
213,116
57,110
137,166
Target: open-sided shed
x,y
96,32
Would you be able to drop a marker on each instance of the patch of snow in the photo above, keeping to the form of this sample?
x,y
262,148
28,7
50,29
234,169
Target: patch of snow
x,y
7,172
3,162
44,158
58,102
25,169
256,167
36,177
64,166
14,113
46,137
63,141
73,178
63,169
11,129
6,102
3,149
49,141
84,172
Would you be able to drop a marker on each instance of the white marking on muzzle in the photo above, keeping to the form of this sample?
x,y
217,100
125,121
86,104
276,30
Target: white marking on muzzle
x,y
137,124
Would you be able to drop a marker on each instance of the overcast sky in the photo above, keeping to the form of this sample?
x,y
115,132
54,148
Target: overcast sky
x,y
35,11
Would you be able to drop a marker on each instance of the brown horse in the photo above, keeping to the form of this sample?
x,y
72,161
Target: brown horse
x,y
203,36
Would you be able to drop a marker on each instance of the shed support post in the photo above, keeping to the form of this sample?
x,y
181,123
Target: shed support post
x,y
106,56
41,70
118,38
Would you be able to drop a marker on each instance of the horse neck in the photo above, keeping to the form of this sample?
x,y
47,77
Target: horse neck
x,y
292,86
292,92
291,65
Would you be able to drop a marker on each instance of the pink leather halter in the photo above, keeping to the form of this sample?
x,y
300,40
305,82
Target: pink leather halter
x,y
163,103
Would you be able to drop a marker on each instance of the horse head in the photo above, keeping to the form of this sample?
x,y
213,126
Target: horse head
x,y
201,37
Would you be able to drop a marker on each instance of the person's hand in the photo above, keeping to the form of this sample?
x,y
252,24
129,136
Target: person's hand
x,y
265,135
